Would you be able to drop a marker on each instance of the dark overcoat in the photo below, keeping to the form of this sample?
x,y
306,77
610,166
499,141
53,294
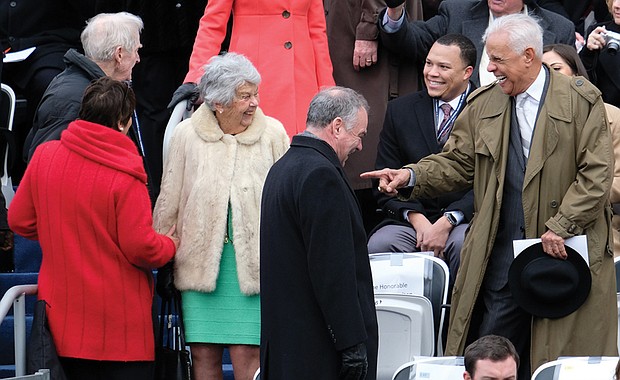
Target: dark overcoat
x,y
316,286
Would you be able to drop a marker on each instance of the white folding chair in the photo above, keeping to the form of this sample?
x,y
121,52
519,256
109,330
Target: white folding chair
x,y
405,330
256,374
8,101
431,368
414,273
179,113
578,368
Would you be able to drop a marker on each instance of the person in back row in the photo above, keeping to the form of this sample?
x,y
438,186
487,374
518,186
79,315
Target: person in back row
x,y
85,199
415,126
111,42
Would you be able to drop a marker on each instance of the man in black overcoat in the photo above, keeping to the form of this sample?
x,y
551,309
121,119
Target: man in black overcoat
x,y
318,316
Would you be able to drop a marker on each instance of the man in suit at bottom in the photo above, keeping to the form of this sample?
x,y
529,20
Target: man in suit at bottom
x,y
417,125
537,148
318,316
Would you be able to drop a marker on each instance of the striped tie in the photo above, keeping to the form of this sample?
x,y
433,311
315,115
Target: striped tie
x,y
444,128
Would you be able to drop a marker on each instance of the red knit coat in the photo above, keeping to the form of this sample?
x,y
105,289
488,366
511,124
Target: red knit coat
x,y
85,199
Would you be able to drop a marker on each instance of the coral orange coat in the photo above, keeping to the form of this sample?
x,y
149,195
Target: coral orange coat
x,y
285,39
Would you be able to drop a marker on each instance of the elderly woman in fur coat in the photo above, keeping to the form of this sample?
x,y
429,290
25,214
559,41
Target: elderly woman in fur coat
x,y
211,189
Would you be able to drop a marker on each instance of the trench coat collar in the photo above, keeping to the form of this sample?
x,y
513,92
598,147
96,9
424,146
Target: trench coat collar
x,y
556,108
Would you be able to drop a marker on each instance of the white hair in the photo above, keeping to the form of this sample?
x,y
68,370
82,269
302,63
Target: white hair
x,y
223,75
523,31
107,31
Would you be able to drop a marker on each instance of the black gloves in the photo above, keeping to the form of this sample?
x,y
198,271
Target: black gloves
x,y
165,281
354,363
186,91
394,3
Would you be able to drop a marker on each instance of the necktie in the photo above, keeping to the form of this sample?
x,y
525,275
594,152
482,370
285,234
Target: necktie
x,y
525,127
444,128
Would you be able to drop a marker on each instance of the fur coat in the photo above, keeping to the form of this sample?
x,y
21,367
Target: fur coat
x,y
205,171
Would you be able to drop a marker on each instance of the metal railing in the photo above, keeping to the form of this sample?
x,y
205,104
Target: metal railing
x,y
16,297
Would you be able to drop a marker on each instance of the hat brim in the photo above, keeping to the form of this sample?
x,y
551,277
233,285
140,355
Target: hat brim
x,y
546,309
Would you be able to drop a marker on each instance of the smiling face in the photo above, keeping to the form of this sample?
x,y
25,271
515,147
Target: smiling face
x,y
515,72
241,112
505,7
350,141
445,74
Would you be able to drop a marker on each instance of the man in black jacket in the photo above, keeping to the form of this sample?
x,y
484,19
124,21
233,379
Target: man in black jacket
x,y
104,55
318,318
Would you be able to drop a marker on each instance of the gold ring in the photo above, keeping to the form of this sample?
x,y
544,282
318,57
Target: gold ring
x,y
369,60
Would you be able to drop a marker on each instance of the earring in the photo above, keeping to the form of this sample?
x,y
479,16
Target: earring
x,y
121,129
221,111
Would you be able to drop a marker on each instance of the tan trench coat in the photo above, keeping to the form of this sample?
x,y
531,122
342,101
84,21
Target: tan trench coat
x,y
566,189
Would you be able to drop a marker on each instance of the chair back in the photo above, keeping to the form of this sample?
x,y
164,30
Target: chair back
x,y
179,113
431,368
405,330
414,273
578,368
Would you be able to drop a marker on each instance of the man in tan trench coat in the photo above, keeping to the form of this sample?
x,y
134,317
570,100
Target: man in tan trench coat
x,y
536,147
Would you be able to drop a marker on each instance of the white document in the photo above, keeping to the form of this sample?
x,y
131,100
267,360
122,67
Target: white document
x,y
430,371
579,243
18,56
398,273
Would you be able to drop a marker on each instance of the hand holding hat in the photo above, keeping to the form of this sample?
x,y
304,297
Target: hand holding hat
x,y
548,287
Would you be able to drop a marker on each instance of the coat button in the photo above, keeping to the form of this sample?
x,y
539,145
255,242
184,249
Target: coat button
x,y
286,14
13,4
579,82
288,45
554,204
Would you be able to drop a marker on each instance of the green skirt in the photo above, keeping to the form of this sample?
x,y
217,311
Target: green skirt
x,y
224,316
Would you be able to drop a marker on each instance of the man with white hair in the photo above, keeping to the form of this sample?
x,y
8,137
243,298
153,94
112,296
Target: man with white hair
x,y
111,42
537,148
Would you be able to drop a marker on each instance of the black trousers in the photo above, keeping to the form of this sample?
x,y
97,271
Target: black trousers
x,y
82,369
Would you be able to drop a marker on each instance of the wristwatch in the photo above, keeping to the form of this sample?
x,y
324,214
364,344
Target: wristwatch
x,y
450,218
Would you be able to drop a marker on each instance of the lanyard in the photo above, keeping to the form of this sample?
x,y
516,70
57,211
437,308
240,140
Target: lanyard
x,y
454,113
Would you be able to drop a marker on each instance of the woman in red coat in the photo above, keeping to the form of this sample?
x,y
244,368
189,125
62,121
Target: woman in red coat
x,y
85,199
285,40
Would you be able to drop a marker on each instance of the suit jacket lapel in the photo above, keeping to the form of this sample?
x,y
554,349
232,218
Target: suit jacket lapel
x,y
425,121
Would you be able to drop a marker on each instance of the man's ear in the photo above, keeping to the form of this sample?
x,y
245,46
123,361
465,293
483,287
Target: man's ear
x,y
118,54
468,71
466,376
529,54
337,126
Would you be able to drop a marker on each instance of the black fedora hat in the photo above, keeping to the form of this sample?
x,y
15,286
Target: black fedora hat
x,y
548,287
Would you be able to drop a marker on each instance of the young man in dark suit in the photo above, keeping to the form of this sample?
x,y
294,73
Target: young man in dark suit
x,y
416,126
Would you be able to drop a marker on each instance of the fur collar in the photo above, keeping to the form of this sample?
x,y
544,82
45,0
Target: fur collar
x,y
207,127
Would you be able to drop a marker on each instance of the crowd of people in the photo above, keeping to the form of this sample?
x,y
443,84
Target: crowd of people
x,y
479,122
